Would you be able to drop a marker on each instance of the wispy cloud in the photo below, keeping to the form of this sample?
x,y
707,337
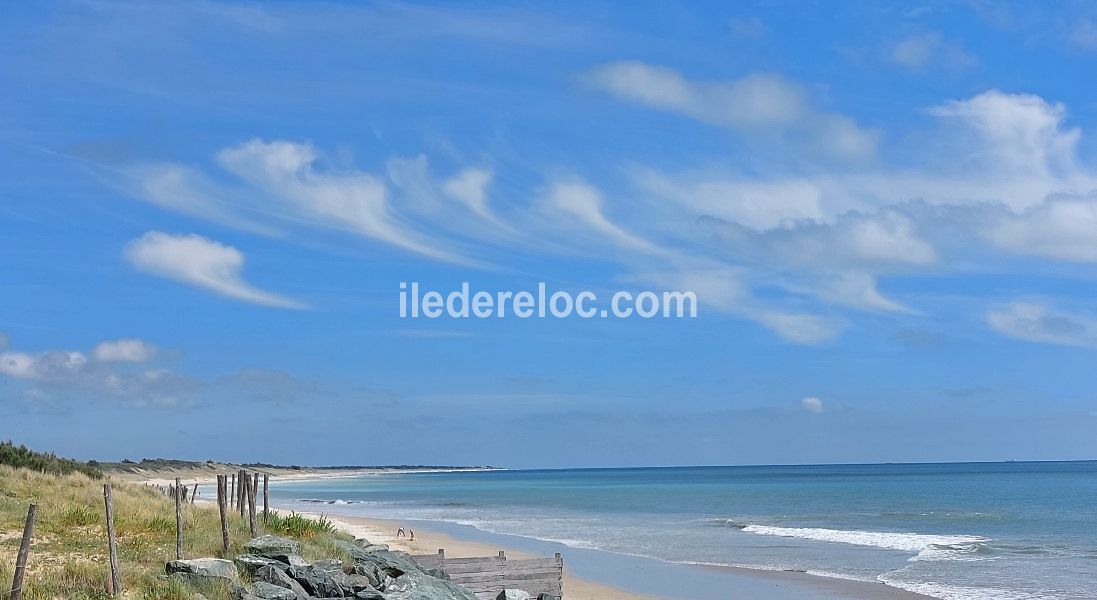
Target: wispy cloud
x,y
124,350
1039,322
759,102
201,262
58,376
924,51
812,404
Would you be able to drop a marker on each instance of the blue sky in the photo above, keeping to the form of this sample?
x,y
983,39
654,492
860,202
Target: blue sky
x,y
207,208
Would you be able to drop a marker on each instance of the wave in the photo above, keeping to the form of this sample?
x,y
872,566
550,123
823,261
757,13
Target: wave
x,y
961,592
322,501
906,542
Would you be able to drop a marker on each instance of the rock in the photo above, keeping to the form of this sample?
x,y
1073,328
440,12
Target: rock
x,y
205,567
250,563
273,546
369,594
548,597
420,586
353,583
275,576
511,594
374,547
268,591
318,579
370,571
388,562
331,565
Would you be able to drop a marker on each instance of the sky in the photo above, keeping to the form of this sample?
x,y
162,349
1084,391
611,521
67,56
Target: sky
x,y
887,211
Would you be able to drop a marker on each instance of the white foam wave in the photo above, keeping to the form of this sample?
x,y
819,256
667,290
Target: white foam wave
x,y
959,592
907,542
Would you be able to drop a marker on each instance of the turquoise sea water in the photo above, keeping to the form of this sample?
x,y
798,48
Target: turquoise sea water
x,y
965,531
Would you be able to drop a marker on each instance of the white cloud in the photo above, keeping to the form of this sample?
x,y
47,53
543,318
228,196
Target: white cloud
x,y
66,375
801,328
930,50
56,364
470,187
124,350
1062,227
1038,322
1016,133
812,405
200,262
754,103
582,201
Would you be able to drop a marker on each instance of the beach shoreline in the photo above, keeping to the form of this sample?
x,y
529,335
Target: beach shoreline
x,y
777,585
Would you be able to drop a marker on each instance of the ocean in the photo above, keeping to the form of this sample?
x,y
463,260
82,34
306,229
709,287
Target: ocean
x,y
959,531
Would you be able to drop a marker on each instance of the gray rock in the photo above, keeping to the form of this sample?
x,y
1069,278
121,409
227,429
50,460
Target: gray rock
x,y
419,586
278,577
512,594
273,546
369,594
388,562
268,591
353,583
250,563
331,565
318,579
543,596
205,567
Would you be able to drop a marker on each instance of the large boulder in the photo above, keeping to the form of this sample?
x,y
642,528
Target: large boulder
x,y
272,546
512,594
277,576
250,563
388,562
205,567
318,580
266,591
420,586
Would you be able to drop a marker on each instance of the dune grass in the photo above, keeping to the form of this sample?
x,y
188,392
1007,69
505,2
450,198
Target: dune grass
x,y
69,552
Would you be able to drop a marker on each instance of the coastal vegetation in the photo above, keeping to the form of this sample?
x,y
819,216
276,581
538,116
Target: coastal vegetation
x,y
43,462
68,554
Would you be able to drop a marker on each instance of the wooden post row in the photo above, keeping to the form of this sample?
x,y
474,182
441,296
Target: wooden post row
x,y
266,498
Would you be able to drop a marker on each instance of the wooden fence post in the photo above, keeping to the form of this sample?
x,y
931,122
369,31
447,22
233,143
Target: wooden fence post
x,y
266,498
251,504
232,491
242,482
178,522
24,552
222,506
112,544
194,493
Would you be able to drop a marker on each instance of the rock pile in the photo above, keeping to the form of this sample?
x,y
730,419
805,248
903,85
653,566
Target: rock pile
x,y
273,569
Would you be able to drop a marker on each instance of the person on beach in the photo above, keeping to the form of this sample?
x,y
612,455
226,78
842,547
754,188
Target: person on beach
x,y
412,538
400,533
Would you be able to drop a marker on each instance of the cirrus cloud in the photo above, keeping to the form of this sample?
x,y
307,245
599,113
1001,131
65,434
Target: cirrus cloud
x,y
201,262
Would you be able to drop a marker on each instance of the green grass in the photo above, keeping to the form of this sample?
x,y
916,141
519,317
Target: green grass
x,y
297,526
69,550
